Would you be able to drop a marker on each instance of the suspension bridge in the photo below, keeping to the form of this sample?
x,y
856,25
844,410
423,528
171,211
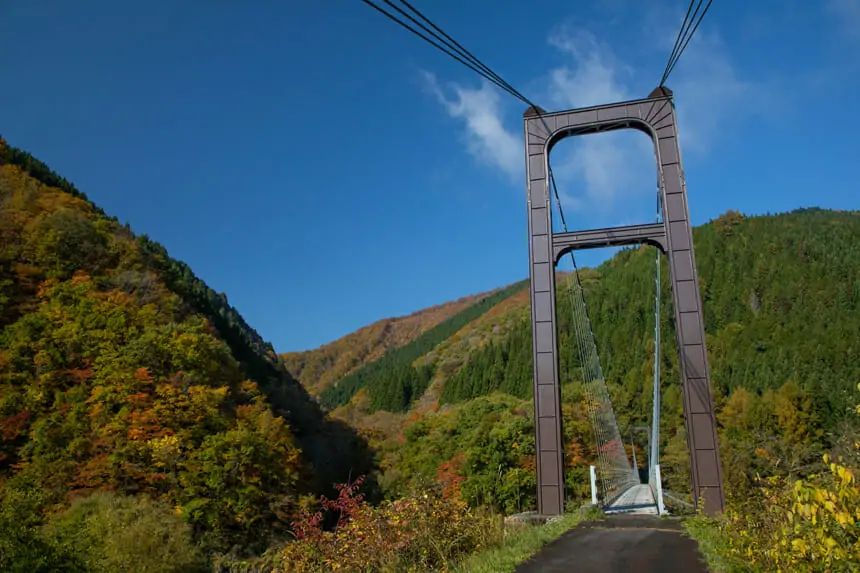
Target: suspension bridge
x,y
616,485
615,482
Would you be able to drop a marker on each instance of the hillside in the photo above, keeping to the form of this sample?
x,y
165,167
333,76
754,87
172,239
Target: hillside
x,y
141,418
781,295
120,370
319,368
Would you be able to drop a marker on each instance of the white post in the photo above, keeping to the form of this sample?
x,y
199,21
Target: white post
x,y
594,485
659,483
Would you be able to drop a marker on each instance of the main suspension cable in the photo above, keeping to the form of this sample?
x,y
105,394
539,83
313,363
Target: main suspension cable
x,y
455,51
681,46
460,48
677,42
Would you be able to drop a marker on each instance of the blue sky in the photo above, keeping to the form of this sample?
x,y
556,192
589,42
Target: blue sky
x,y
325,169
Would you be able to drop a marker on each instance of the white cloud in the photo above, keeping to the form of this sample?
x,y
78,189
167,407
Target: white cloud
x,y
605,166
487,138
592,80
600,172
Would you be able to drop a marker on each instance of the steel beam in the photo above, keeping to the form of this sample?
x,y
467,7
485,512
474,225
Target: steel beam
x,y
653,234
654,116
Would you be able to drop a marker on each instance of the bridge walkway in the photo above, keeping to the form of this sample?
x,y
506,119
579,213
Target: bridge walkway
x,y
638,500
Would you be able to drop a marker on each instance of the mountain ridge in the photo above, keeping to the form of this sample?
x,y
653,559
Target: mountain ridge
x,y
773,286
120,369
319,367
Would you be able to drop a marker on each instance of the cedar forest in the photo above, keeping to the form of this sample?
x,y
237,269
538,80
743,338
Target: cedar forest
x,y
142,421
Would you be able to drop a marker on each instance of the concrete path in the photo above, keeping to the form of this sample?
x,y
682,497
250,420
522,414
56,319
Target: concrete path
x,y
620,544
638,500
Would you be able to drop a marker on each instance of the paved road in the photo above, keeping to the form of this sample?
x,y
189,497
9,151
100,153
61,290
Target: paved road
x,y
620,544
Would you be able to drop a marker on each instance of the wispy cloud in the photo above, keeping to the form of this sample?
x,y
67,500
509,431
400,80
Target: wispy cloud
x,y
604,166
592,77
607,169
486,137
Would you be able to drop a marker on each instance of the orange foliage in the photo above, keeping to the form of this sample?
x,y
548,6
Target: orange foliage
x,y
81,376
448,476
576,453
80,277
528,463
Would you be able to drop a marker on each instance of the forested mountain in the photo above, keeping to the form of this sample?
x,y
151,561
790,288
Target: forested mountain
x,y
781,295
317,369
121,370
395,380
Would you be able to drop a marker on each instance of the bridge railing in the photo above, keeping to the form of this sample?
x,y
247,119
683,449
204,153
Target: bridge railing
x,y
655,481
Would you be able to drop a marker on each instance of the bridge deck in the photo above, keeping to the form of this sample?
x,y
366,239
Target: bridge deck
x,y
638,500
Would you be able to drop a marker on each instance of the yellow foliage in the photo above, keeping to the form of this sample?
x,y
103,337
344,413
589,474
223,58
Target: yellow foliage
x,y
811,525
165,450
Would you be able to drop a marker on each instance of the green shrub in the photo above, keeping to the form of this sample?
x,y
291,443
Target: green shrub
x,y
113,533
24,548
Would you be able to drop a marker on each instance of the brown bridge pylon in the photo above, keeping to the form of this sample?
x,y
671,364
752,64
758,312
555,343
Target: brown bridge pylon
x,y
654,116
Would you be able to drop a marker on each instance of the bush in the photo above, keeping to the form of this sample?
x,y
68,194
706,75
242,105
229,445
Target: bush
x,y
24,548
811,525
421,532
113,533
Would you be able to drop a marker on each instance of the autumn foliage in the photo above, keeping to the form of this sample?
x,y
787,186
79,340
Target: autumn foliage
x,y
423,531
121,371
804,525
133,394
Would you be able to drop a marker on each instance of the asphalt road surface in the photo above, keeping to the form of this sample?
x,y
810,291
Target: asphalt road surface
x,y
620,544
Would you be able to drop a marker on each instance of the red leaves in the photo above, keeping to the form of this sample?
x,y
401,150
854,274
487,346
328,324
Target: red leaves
x,y
448,475
347,504
11,427
308,526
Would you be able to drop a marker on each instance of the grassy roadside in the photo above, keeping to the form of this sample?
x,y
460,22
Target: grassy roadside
x,y
522,543
713,546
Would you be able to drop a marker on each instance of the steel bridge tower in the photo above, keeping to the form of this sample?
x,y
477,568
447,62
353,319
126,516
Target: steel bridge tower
x,y
654,116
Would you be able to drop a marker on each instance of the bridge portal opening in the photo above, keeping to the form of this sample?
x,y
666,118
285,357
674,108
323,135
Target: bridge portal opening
x,y
609,179
604,179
